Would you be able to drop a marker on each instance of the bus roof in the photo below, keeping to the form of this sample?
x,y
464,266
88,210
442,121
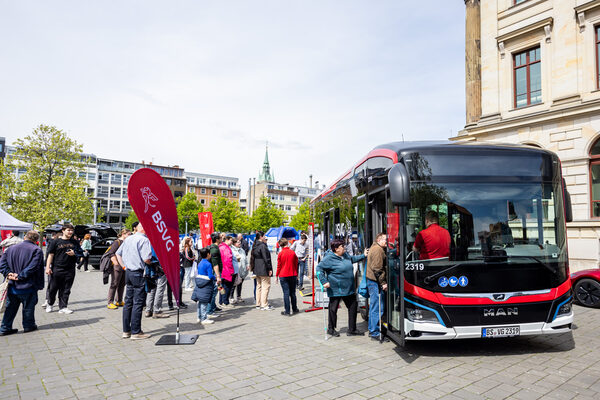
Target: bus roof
x,y
393,151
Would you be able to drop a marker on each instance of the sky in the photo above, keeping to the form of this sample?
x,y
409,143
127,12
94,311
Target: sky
x,y
205,84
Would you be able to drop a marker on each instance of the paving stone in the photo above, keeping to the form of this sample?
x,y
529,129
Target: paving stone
x,y
250,354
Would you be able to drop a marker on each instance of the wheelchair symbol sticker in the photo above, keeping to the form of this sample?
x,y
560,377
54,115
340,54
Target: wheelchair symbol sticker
x,y
443,281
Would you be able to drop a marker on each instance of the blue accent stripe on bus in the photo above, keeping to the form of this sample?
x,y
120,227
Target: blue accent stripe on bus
x,y
427,308
559,306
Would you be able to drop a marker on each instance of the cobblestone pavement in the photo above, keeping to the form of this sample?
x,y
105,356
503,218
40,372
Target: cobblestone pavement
x,y
251,354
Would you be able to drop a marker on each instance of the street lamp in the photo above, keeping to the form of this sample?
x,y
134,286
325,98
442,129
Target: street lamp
x,y
186,217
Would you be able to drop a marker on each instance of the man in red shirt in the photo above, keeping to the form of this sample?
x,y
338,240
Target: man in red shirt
x,y
433,241
287,272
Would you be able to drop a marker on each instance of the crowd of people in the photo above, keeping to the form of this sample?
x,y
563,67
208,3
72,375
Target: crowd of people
x,y
215,274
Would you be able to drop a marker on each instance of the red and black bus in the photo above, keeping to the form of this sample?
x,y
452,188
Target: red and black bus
x,y
504,207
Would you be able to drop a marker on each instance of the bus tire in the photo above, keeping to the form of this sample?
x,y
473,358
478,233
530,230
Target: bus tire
x,y
364,312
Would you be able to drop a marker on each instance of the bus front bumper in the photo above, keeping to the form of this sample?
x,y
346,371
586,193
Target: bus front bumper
x,y
429,331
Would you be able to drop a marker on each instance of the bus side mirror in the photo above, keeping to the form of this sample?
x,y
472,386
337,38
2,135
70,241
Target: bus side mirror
x,y
399,185
568,206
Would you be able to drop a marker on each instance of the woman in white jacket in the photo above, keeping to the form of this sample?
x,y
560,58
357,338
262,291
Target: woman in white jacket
x,y
242,261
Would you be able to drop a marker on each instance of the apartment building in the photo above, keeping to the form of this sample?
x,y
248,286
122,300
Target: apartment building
x,y
210,187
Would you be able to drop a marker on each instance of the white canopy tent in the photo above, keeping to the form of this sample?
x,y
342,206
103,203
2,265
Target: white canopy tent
x,y
10,223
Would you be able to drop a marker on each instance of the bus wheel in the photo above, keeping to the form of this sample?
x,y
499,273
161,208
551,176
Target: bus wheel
x,y
364,311
587,292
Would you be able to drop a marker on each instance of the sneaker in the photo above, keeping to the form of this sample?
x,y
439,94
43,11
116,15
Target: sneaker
x,y
171,308
226,306
140,336
48,308
45,303
218,309
267,308
207,322
112,306
240,300
126,335
121,303
65,311
287,314
160,315
183,305
257,307
295,311
233,301
212,315
376,339
88,270
198,320
148,314
355,333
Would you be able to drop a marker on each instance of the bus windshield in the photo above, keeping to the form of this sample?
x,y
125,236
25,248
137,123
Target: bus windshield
x,y
493,228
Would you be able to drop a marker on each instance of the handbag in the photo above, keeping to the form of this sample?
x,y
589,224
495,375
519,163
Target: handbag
x,y
3,295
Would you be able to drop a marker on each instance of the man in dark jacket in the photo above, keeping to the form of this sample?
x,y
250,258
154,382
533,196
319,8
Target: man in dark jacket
x,y
23,266
263,269
217,263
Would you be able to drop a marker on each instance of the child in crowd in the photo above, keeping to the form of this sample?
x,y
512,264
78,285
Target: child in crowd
x,y
204,286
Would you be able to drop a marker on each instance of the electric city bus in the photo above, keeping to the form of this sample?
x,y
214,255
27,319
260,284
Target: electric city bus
x,y
504,207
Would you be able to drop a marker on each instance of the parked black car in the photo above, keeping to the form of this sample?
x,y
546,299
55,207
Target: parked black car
x,y
102,237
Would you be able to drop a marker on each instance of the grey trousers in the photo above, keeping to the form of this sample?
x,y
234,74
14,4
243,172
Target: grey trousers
x,y
154,299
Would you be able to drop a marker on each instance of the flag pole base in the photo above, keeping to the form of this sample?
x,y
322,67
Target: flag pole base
x,y
170,340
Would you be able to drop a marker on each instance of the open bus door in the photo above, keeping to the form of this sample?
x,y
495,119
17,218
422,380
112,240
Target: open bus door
x,y
398,202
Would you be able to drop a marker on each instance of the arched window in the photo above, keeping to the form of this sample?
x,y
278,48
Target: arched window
x,y
595,179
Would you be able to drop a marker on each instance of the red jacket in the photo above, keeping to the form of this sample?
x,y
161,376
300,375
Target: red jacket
x,y
287,263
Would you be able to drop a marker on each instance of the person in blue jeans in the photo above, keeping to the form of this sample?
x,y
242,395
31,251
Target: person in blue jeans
x,y
23,265
376,283
204,286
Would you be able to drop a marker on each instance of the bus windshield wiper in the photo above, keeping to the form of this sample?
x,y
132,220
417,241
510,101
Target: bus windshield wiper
x,y
537,260
429,278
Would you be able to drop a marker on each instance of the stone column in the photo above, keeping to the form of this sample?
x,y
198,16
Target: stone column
x,y
473,60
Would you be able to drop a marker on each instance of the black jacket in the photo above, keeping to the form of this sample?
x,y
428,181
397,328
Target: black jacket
x,y
261,259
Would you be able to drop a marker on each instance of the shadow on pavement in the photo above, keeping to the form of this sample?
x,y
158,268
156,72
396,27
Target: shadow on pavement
x,y
70,323
101,300
487,347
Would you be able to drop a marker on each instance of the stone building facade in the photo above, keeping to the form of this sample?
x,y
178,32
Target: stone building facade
x,y
532,77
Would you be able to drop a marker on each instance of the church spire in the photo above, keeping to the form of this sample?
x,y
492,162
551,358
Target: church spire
x,y
265,174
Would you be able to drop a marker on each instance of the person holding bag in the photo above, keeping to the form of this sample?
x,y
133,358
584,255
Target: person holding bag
x,y
116,272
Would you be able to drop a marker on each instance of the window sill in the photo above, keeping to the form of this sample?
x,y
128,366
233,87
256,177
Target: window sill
x,y
526,107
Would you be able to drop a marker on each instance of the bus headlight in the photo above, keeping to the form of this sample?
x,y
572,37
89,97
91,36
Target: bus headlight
x,y
421,315
565,309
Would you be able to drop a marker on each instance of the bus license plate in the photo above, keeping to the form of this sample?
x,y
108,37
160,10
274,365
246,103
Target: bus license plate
x,y
505,331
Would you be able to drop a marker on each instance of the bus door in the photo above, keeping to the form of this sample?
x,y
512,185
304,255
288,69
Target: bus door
x,y
394,307
376,212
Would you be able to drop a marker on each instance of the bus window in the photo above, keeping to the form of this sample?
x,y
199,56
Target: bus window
x,y
360,228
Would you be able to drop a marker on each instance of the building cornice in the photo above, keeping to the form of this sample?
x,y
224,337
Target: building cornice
x,y
540,117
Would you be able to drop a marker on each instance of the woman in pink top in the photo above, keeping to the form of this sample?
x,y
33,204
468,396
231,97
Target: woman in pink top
x,y
228,272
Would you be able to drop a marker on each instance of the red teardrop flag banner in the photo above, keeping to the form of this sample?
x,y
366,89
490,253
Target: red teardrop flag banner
x,y
153,203
206,227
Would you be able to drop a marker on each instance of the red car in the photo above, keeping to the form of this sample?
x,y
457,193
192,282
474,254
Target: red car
x,y
586,286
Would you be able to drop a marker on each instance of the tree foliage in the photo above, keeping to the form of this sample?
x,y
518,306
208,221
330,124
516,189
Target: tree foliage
x,y
301,220
267,215
227,216
131,218
188,208
41,182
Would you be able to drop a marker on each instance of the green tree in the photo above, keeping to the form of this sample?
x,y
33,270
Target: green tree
x,y
41,182
226,215
242,223
188,208
301,220
266,215
131,218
